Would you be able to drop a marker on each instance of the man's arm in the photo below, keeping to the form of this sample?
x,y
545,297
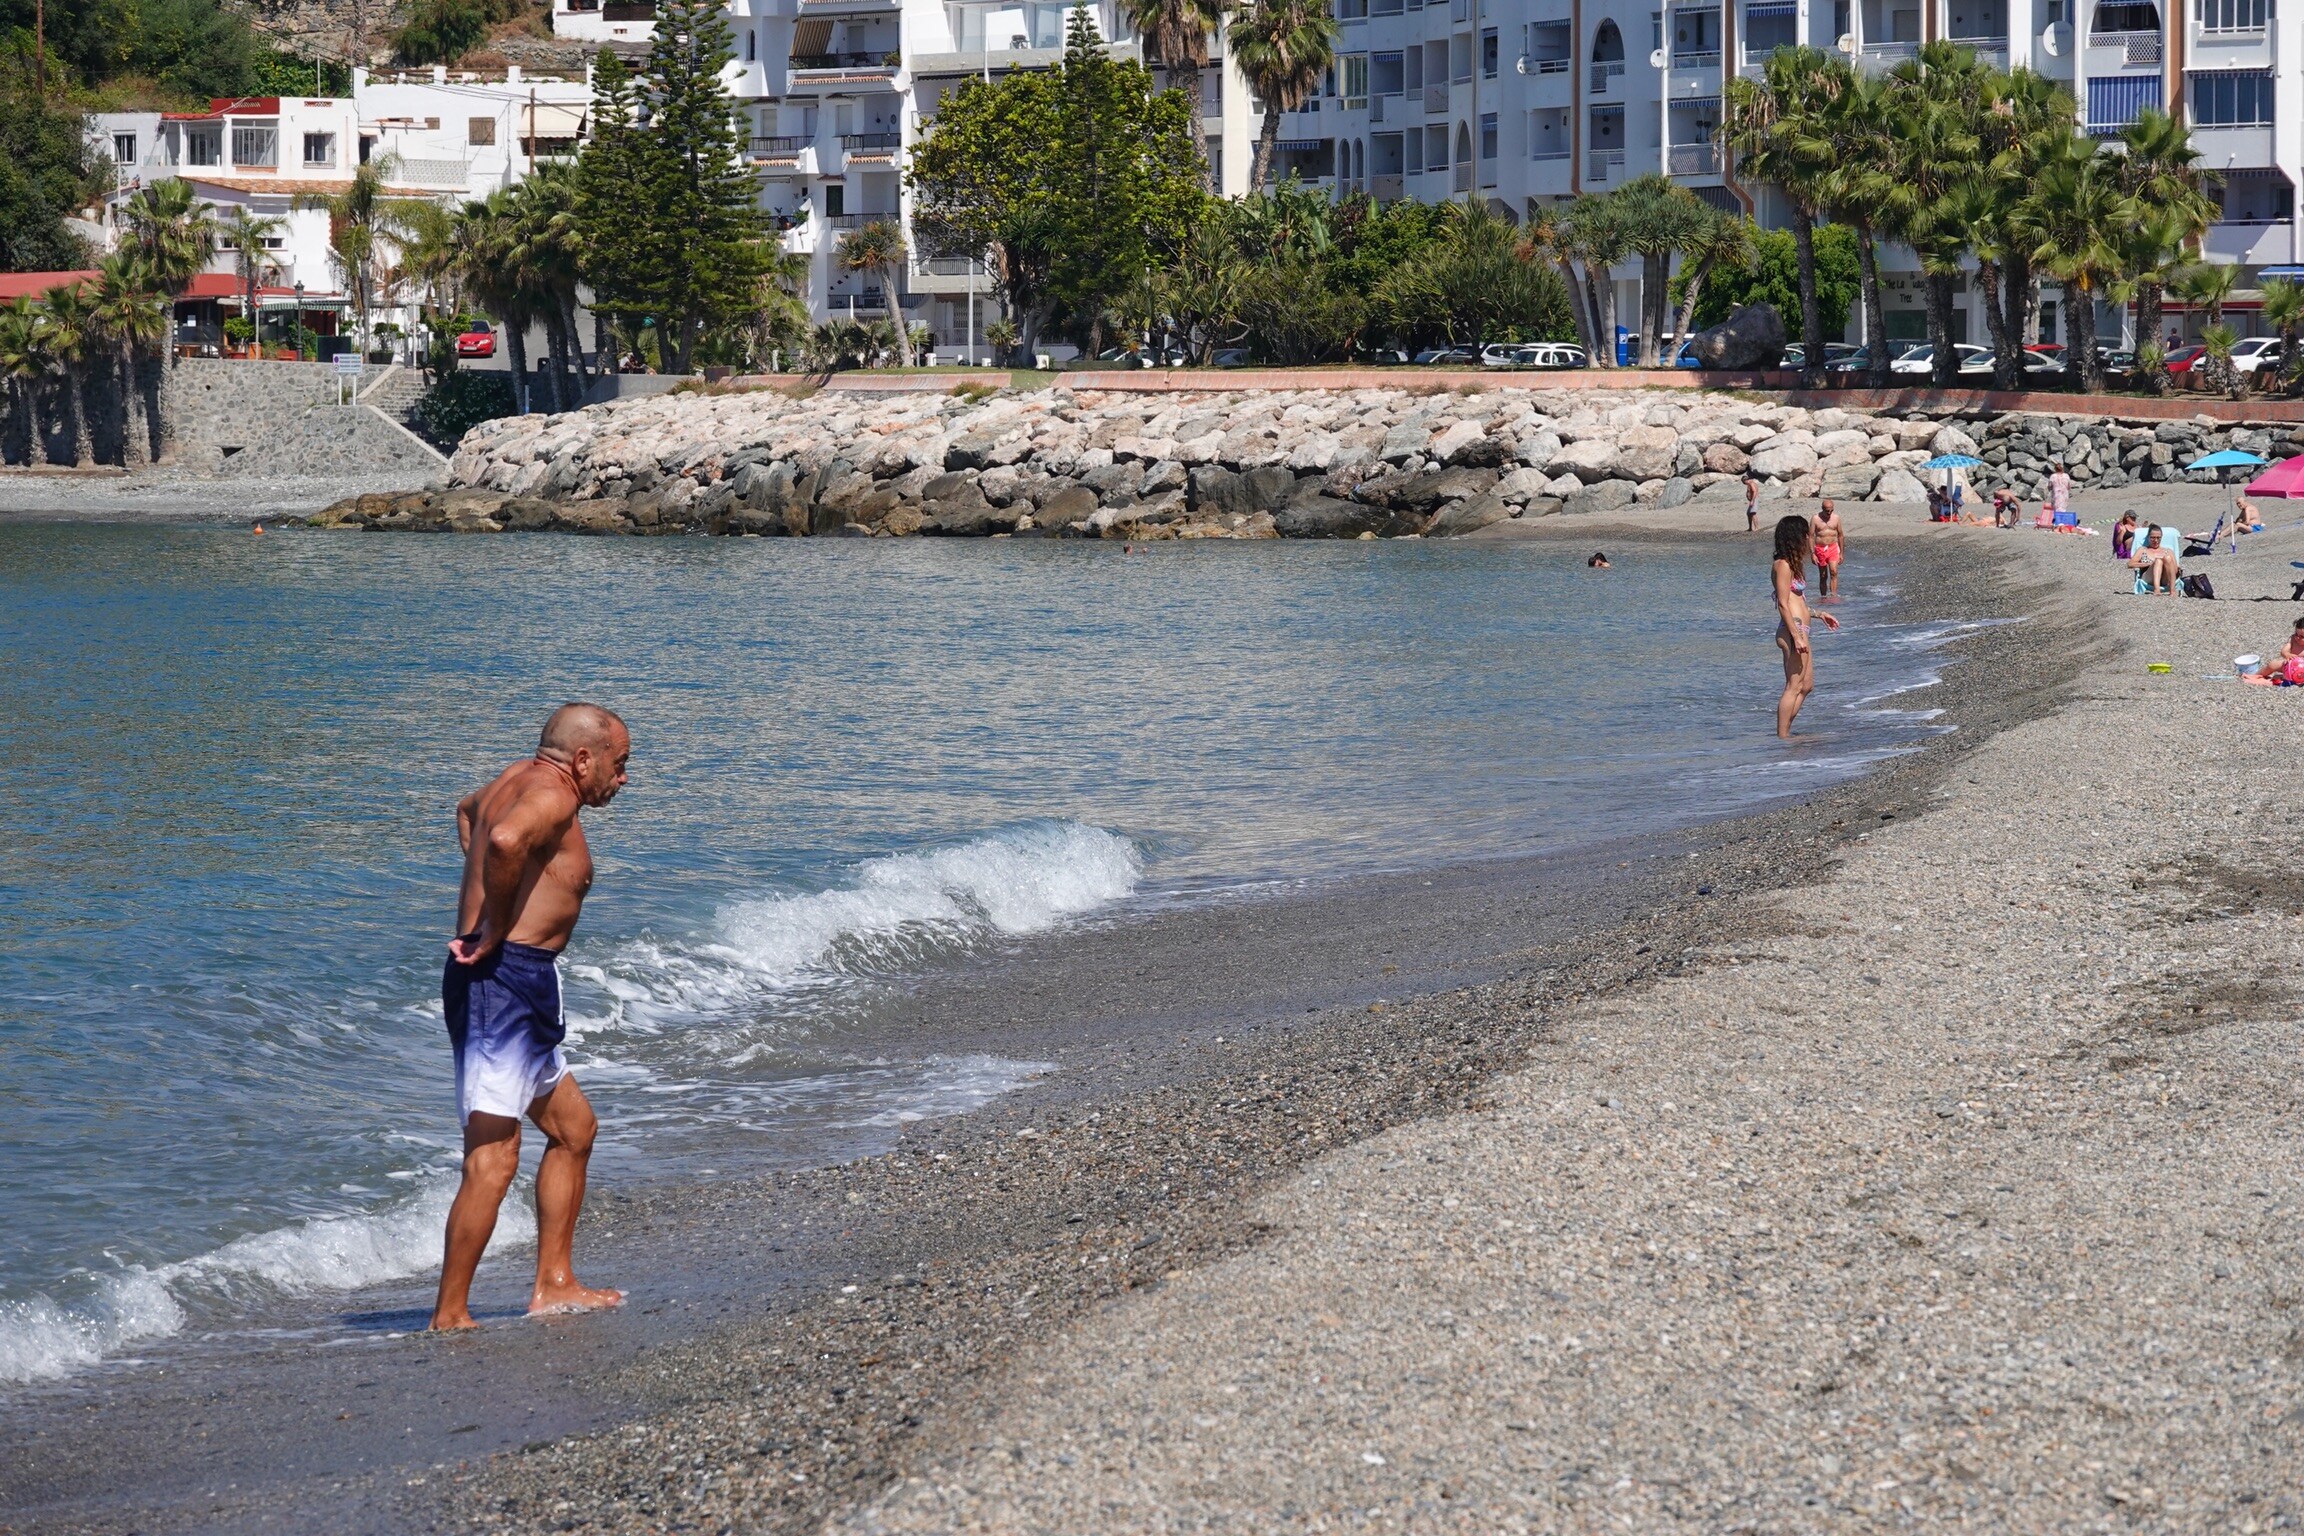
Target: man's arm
x,y
530,824
467,816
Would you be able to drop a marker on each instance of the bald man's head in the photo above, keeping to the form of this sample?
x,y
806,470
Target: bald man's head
x,y
592,744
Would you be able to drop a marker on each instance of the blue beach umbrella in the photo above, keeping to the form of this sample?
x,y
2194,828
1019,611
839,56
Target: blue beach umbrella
x,y
1954,461
2226,458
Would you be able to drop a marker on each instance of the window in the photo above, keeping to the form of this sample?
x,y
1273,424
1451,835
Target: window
x,y
2119,16
1488,54
1387,74
1436,147
835,199
2233,15
1655,30
1355,80
1351,10
320,149
2232,99
1415,69
1487,135
124,148
480,131
1460,58
253,146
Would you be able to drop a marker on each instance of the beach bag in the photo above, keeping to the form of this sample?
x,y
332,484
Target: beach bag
x,y
2197,585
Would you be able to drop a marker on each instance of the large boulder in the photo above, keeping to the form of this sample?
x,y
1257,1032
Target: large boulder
x,y
1607,496
1898,485
1647,452
1589,459
1325,517
1751,337
1849,482
1783,460
1216,491
1726,459
1469,515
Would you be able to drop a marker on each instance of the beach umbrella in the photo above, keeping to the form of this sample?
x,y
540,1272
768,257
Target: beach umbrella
x,y
2285,478
1954,461
2226,458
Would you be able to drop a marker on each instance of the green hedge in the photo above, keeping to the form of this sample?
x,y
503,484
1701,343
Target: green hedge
x,y
457,402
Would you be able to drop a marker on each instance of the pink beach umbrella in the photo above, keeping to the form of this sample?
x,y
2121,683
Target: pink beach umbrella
x,y
2285,478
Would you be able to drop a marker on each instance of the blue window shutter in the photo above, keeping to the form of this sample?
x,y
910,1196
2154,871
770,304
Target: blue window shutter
x,y
2114,102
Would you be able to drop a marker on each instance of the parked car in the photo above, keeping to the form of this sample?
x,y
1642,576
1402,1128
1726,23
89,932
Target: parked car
x,y
2256,352
480,341
2185,360
1505,354
1922,359
1448,357
1557,354
1231,357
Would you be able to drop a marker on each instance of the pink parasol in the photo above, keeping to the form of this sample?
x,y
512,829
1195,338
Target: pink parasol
x,y
2285,478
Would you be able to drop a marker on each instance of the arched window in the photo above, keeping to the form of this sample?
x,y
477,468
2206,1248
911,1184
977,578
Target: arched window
x,y
1463,145
1607,43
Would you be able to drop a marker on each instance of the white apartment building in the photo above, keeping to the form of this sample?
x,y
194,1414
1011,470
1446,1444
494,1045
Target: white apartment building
x,y
614,23
838,92
450,136
1527,101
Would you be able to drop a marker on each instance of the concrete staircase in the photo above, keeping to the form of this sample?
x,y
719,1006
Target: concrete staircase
x,y
395,392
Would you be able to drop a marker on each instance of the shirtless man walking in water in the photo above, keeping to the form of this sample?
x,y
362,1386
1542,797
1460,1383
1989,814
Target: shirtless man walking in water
x,y
526,871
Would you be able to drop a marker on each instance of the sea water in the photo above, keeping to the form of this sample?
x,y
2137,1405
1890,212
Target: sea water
x,y
227,867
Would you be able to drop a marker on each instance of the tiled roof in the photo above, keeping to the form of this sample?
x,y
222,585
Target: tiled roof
x,y
13,284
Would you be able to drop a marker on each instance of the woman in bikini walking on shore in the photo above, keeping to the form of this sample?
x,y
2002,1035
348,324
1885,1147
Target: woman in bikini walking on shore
x,y
1793,540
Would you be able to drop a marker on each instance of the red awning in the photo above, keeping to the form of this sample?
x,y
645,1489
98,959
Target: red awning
x,y
13,284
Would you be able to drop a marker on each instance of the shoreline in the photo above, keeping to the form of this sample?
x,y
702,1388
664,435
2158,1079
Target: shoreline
x,y
1163,1090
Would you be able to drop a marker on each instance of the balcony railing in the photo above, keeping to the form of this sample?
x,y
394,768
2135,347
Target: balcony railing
x,y
1603,71
776,145
871,143
2139,50
1464,177
1558,66
1701,58
1436,98
1551,154
1604,165
949,266
628,10
1888,53
1988,50
846,61
1694,159
856,220
1386,189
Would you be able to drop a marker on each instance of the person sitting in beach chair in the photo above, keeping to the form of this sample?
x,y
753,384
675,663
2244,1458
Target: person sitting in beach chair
x,y
2155,565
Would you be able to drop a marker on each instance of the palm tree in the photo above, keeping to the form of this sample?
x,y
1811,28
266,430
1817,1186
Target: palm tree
x,y
1726,244
245,231
877,250
545,252
487,239
361,220
2283,311
131,314
1545,237
2160,169
1175,36
1283,49
1937,99
2023,121
1780,128
2078,208
1857,188
23,361
72,338
1594,235
2206,285
171,233
1660,217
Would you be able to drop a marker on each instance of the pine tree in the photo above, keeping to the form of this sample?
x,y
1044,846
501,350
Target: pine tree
x,y
666,204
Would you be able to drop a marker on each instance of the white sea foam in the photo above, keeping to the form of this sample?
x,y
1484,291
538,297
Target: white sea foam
x,y
42,1339
892,909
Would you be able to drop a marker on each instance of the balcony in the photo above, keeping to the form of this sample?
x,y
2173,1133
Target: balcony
x,y
1604,71
780,146
1887,55
1989,50
871,146
2131,50
2271,242
845,64
1603,166
1436,100
1696,58
1387,189
1694,159
1558,66
2237,147
848,221
628,10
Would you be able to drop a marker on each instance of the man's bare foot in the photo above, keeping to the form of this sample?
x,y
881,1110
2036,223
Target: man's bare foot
x,y
461,1322
573,1298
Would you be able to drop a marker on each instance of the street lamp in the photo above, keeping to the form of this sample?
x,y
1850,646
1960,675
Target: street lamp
x,y
299,320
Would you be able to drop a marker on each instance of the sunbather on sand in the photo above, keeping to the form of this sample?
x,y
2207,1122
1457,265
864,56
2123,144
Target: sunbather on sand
x,y
2158,563
2124,535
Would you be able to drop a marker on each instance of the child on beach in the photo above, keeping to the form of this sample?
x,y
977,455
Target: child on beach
x,y
2287,668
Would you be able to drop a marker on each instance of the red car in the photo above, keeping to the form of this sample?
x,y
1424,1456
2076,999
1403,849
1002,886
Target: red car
x,y
480,341
2182,362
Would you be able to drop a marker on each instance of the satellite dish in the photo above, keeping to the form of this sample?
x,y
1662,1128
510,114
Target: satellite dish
x,y
1656,59
2056,39
1520,65
1847,44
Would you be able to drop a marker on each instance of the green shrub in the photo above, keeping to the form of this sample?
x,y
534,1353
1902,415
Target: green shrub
x,y
458,402
441,31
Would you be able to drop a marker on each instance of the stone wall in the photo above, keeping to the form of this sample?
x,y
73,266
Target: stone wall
x,y
265,418
1253,464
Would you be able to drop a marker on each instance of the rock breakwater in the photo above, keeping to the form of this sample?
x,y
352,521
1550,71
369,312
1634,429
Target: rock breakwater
x,y
1375,463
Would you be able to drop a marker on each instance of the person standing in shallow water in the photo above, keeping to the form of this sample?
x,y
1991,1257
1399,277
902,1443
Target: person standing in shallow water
x,y
1792,549
526,871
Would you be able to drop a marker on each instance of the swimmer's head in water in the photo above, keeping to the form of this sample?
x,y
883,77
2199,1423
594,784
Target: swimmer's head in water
x,y
1599,560
1792,538
592,744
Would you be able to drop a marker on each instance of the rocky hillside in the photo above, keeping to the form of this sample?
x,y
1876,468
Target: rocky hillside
x,y
1248,464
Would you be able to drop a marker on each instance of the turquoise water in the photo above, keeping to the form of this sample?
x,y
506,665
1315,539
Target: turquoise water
x,y
229,864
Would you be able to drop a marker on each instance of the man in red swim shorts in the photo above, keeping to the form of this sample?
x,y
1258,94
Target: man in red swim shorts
x,y
1827,540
